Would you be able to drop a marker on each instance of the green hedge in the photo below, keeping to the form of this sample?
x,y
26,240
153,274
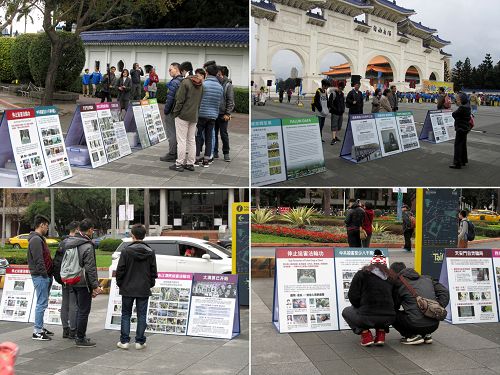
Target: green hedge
x,y
241,100
487,231
19,57
109,244
16,259
6,72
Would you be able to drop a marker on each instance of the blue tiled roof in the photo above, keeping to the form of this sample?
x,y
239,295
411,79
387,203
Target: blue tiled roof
x,y
439,40
419,25
393,5
314,15
199,37
264,5
359,3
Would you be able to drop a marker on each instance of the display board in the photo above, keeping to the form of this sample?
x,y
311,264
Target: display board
x,y
143,117
470,277
434,86
214,306
439,126
348,261
496,267
113,132
17,295
439,228
168,307
53,310
361,142
268,153
241,248
407,131
304,149
388,133
304,290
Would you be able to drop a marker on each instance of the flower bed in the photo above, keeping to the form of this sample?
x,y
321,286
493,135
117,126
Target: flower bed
x,y
314,236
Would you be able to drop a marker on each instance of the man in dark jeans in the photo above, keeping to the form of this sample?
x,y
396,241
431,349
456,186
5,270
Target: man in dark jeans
x,y
353,221
407,227
135,276
88,287
225,109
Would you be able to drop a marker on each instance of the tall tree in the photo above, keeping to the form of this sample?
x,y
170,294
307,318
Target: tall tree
x,y
467,73
456,76
10,10
327,201
447,73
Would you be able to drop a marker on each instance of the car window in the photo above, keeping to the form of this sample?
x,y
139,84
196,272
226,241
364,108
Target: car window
x,y
24,237
165,248
220,248
213,255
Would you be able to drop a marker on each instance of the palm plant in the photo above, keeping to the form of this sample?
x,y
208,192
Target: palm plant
x,y
300,216
262,216
378,228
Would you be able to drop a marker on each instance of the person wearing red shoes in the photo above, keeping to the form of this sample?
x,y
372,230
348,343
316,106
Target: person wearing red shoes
x,y
372,302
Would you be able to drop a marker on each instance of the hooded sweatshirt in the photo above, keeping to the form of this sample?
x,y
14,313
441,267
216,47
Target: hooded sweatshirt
x,y
136,272
86,253
188,99
39,260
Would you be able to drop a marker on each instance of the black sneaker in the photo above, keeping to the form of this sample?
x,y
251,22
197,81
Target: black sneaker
x,y
216,155
413,340
198,163
177,168
210,161
84,343
428,339
338,139
189,167
227,158
333,142
168,158
41,336
205,164
66,333
72,334
47,332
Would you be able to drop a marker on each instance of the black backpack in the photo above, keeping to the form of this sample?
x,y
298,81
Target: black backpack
x,y
471,231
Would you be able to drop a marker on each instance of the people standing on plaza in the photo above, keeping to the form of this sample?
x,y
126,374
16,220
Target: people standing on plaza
x,y
354,101
410,322
289,94
135,75
225,109
462,116
372,305
393,99
336,103
376,101
368,223
354,218
209,111
88,287
108,84
185,113
86,83
385,101
136,274
444,100
68,306
474,103
320,103
172,87
95,79
463,230
408,226
41,267
124,86
152,84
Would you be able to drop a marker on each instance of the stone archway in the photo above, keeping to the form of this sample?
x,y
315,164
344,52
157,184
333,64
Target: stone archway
x,y
434,76
365,83
420,72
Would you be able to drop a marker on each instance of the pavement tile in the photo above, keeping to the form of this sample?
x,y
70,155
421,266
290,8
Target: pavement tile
x,y
486,357
41,365
399,365
337,367
367,366
285,369
319,353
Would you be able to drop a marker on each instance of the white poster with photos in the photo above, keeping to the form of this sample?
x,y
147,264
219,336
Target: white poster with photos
x,y
53,311
348,261
108,132
17,295
147,112
388,133
305,298
443,125
93,137
471,282
156,116
120,131
28,154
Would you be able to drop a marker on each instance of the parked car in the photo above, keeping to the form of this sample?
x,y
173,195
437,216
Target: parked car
x,y
225,243
21,241
484,215
172,255
118,236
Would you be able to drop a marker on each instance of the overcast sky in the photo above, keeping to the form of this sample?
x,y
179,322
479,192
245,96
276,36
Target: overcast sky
x,y
471,26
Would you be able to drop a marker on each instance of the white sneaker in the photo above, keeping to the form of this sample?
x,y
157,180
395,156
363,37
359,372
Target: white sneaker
x,y
122,345
140,346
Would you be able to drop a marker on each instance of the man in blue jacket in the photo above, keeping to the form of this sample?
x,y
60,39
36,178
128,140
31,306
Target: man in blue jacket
x,y
172,86
95,79
209,111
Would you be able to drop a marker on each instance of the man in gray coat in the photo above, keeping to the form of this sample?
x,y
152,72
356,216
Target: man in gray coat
x,y
225,109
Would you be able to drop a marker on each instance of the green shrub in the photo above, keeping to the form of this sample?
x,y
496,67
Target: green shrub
x,y
71,64
19,57
299,216
17,259
6,72
161,93
262,216
487,231
109,244
241,100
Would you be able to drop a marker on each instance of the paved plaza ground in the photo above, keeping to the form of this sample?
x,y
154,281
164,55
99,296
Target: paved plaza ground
x,y
467,349
164,354
144,168
427,166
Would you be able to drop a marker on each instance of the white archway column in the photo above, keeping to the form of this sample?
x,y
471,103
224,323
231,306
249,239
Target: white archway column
x,y
312,79
262,71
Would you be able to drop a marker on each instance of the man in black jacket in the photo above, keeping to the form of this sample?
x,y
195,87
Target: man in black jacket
x,y
135,74
88,287
354,101
68,306
336,104
407,227
353,221
135,276
413,325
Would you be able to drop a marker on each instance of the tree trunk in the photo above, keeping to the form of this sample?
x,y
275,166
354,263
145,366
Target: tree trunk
x,y
257,198
55,60
327,195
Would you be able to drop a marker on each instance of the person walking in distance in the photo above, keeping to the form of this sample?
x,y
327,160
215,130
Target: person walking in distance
x,y
136,274
408,226
354,218
41,266
172,87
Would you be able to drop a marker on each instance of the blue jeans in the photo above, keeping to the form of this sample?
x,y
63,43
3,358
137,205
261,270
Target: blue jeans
x,y
142,308
42,287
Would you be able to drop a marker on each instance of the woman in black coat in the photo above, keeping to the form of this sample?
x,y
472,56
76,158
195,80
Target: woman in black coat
x,y
462,128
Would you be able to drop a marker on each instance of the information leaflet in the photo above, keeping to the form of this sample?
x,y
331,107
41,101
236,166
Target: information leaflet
x,y
468,274
304,290
26,147
388,133
93,137
304,149
53,310
348,261
439,126
407,131
361,142
112,144
17,295
268,154
134,121
52,141
149,122
214,306
120,132
156,117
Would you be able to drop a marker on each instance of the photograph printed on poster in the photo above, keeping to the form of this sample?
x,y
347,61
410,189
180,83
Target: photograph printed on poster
x,y
211,289
306,276
389,140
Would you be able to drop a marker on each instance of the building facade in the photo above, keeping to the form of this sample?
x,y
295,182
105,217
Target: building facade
x,y
387,31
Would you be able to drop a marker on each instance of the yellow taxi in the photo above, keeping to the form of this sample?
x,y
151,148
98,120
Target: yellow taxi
x,y
21,241
484,215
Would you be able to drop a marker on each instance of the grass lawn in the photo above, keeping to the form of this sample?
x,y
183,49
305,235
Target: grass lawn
x,y
271,238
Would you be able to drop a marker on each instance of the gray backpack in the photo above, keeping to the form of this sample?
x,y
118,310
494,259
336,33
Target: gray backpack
x,y
71,270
